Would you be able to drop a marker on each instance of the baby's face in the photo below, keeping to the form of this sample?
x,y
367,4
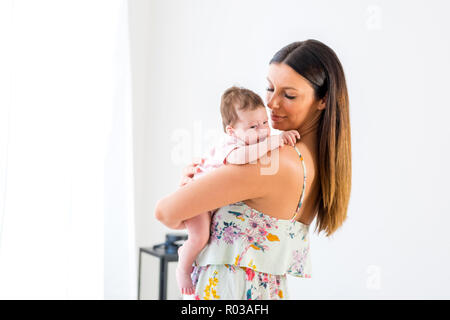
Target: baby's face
x,y
252,126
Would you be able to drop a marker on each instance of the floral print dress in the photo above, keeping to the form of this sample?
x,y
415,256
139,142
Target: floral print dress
x,y
250,253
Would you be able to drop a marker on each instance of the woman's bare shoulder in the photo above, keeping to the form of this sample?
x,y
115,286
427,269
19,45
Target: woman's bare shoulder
x,y
284,158
278,170
280,176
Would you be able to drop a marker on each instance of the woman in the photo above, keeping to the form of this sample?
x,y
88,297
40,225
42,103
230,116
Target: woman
x,y
260,230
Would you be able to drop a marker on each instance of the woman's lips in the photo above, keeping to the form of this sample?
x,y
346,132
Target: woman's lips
x,y
276,118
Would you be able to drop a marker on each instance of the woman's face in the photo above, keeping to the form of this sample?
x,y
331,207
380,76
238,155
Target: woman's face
x,y
290,98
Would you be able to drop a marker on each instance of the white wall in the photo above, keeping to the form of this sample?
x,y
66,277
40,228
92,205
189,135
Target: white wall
x,y
394,244
66,227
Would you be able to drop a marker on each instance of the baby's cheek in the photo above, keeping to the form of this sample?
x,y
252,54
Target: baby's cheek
x,y
252,135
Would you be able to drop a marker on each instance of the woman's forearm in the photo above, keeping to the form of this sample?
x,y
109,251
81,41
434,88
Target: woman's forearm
x,y
222,186
160,214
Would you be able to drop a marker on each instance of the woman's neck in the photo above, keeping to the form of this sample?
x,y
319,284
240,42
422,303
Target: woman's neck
x,y
308,129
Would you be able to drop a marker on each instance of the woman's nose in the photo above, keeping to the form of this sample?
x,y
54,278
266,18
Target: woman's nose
x,y
272,103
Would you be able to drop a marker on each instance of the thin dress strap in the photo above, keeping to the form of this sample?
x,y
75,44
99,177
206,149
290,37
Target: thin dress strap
x,y
304,185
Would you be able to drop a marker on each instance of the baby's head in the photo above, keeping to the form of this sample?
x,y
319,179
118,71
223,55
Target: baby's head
x,y
244,115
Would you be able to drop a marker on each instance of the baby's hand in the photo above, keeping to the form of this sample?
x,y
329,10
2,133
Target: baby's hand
x,y
190,170
290,137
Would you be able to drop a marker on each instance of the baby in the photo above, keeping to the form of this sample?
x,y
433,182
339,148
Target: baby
x,y
245,123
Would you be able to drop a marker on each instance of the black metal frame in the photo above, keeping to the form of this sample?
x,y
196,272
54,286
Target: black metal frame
x,y
165,257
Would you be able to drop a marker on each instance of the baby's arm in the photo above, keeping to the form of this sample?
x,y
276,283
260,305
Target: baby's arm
x,y
250,153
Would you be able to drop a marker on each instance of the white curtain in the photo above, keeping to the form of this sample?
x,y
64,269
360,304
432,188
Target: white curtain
x,y
66,174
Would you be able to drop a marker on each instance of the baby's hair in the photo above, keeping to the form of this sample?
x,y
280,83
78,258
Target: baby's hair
x,y
240,98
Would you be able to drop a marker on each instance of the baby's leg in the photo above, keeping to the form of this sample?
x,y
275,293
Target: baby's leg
x,y
198,229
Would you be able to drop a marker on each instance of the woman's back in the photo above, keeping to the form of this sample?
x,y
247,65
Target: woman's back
x,y
286,184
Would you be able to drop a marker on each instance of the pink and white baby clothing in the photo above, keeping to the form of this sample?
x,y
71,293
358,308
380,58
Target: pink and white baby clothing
x,y
218,153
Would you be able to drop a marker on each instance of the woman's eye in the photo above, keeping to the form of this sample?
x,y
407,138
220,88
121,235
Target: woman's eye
x,y
286,95
289,97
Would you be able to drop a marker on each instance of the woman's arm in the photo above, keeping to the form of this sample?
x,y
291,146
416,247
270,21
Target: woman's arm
x,y
227,184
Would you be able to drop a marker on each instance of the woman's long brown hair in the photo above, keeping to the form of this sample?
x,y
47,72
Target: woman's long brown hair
x,y
320,65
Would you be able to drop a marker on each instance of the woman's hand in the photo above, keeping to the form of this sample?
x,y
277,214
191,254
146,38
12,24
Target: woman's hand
x,y
290,137
190,170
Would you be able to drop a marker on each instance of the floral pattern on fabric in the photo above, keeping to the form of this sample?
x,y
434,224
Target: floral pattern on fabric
x,y
249,254
237,283
255,234
298,262
210,288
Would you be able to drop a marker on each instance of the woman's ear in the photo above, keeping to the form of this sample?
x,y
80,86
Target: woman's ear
x,y
322,103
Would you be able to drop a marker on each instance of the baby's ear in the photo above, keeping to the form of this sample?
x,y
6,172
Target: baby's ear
x,y
229,129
